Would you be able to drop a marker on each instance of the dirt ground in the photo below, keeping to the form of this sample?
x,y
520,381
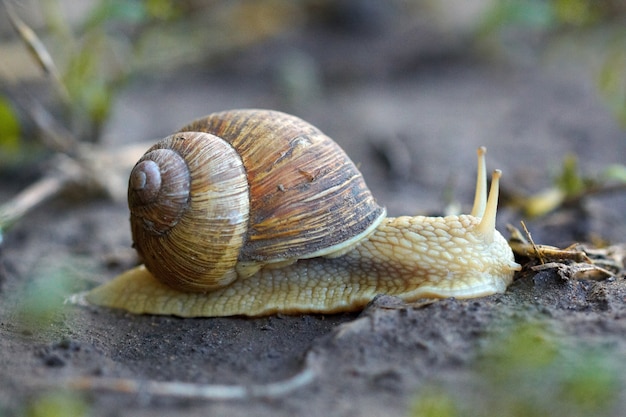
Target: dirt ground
x,y
549,346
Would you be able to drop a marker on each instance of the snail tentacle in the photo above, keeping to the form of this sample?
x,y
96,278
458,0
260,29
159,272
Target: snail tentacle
x,y
480,196
487,225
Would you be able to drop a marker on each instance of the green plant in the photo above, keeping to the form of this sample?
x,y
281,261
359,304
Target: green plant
x,y
526,371
95,56
57,404
571,186
86,63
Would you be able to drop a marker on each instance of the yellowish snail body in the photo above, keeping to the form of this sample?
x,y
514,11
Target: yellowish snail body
x,y
254,212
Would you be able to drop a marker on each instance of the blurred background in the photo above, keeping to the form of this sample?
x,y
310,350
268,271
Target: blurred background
x,y
409,88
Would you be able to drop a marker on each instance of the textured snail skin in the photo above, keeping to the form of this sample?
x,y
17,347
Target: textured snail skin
x,y
409,257
406,256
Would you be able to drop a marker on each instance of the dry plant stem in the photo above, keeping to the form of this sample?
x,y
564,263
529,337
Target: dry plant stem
x,y
30,198
54,135
543,253
572,262
198,391
95,170
532,242
37,49
577,270
67,172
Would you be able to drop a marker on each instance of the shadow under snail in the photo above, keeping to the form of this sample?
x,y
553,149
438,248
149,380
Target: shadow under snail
x,y
254,212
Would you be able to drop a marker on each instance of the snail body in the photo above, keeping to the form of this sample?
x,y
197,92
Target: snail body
x,y
253,212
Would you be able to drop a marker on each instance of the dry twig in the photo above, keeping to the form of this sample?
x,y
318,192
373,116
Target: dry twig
x,y
37,49
98,171
573,262
200,391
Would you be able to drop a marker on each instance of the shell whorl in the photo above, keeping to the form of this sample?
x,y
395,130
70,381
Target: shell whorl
x,y
188,198
307,198
237,190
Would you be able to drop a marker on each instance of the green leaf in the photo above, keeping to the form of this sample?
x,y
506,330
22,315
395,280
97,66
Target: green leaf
x,y
575,12
526,13
615,172
127,11
569,179
9,128
434,402
58,403
612,82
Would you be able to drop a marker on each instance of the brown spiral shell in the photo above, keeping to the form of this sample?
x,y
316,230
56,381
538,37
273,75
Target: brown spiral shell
x,y
244,186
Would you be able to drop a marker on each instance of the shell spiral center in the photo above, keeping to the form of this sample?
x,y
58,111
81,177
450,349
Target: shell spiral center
x,y
158,192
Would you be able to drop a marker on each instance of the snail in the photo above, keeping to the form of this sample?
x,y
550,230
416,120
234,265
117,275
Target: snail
x,y
255,212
